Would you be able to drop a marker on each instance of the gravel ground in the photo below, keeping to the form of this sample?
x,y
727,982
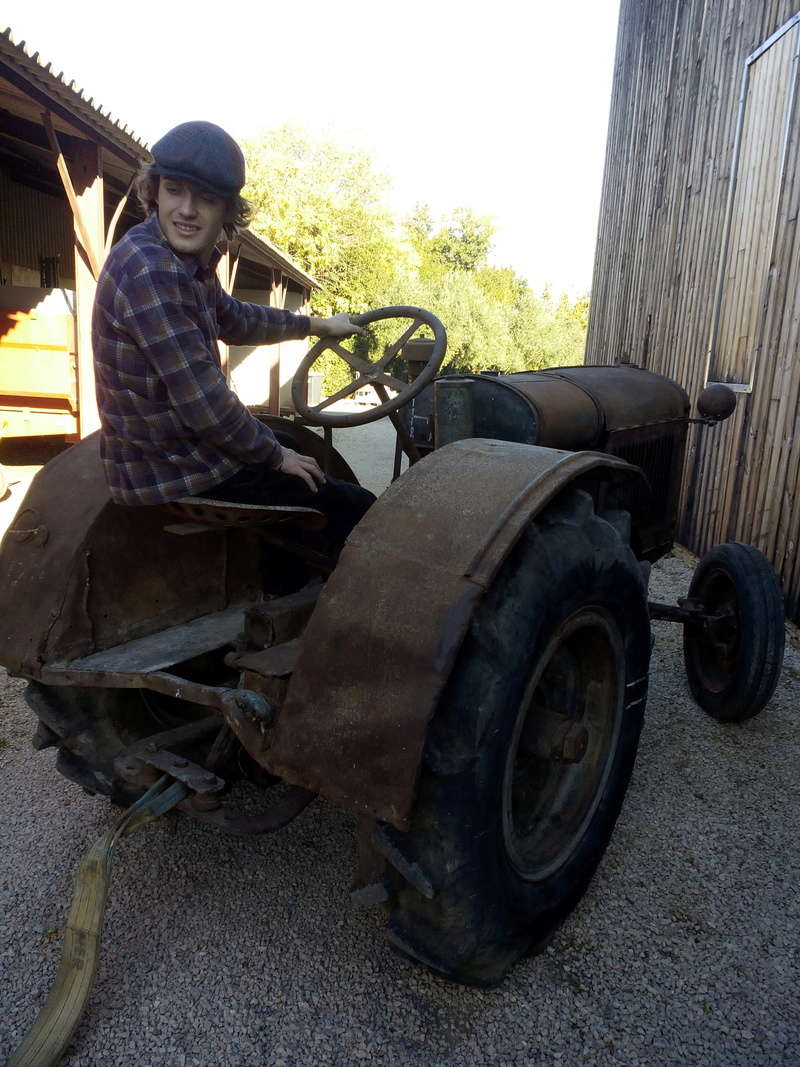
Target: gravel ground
x,y
228,951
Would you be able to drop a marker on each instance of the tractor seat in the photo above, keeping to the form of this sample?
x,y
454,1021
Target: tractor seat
x,y
199,514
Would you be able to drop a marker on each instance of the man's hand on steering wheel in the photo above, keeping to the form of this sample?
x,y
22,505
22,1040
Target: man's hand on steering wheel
x,y
305,467
336,326
365,371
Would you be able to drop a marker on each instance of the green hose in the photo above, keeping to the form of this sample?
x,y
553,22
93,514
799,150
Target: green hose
x,y
45,1042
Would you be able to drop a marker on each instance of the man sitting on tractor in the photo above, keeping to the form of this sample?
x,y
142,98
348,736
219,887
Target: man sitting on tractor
x,y
170,425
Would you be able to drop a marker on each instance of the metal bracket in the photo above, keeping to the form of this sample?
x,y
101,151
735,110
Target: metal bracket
x,y
192,775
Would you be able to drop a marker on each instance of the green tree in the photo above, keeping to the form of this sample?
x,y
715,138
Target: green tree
x,y
550,333
502,284
462,242
324,206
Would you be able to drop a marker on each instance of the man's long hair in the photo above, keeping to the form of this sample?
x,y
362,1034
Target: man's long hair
x,y
237,215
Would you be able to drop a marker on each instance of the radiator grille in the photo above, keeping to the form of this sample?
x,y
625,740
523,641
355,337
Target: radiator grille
x,y
658,450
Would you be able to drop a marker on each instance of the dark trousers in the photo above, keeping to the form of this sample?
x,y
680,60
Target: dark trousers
x,y
342,503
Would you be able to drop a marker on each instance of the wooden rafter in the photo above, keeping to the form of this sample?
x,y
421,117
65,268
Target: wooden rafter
x,y
234,253
69,189
86,127
112,226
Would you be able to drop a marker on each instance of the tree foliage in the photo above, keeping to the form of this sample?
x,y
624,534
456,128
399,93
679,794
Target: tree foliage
x,y
325,206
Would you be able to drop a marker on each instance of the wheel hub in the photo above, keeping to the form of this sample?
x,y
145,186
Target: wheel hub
x,y
559,762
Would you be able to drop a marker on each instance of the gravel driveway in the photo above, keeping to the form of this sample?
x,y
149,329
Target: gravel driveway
x,y
235,951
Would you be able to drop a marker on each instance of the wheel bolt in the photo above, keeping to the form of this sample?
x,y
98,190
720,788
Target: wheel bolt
x,y
558,738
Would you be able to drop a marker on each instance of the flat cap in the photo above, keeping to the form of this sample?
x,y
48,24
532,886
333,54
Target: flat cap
x,y
202,153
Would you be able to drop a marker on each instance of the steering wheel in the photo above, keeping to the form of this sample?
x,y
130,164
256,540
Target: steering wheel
x,y
368,373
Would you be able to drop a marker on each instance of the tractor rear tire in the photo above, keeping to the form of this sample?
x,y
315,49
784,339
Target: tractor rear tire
x,y
733,677
505,836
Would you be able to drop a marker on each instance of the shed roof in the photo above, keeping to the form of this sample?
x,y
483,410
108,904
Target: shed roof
x,y
26,84
28,87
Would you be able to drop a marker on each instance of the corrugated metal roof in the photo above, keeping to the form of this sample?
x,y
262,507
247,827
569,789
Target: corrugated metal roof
x,y
260,245
43,79
83,113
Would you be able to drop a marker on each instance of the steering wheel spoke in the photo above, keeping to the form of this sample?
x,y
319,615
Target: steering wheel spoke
x,y
345,391
356,362
388,381
392,350
368,372
350,358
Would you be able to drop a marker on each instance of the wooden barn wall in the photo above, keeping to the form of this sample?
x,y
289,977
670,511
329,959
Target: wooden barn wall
x,y
34,224
672,132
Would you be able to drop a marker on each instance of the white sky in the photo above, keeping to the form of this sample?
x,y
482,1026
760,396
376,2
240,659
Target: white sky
x,y
502,106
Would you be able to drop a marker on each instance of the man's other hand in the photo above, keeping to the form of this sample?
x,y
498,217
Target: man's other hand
x,y
304,467
335,326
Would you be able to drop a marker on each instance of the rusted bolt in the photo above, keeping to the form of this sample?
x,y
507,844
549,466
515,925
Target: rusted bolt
x,y
557,738
255,705
150,747
574,744
38,535
127,768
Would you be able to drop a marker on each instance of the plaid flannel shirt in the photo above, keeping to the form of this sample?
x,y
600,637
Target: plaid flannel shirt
x,y
170,425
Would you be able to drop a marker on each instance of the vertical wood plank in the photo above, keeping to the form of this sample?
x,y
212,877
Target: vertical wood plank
x,y
87,179
678,74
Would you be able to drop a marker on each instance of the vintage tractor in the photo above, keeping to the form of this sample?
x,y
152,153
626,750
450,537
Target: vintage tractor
x,y
469,677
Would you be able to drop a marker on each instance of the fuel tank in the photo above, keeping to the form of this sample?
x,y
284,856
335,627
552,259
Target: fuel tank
x,y
573,408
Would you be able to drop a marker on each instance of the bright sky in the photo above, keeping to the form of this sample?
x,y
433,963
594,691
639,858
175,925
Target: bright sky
x,y
500,106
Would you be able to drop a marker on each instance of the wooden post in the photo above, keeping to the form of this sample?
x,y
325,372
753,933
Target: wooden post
x,y
90,228
277,298
224,275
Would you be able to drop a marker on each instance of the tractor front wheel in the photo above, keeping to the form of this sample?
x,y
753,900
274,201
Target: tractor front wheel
x,y
733,658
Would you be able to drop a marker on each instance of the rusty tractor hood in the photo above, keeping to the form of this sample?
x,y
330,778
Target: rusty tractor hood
x,y
572,407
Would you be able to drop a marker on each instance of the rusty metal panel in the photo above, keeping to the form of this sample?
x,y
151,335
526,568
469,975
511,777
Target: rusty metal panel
x,y
79,574
388,625
567,416
41,565
533,407
629,396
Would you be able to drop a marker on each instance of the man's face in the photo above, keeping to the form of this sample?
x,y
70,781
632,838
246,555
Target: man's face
x,y
190,217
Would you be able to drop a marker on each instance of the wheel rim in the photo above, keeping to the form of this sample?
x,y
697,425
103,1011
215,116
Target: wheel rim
x,y
577,689
714,658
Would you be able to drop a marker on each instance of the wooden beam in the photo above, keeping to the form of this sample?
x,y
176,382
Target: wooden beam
x,y
223,273
112,226
234,255
88,168
277,296
90,130
81,228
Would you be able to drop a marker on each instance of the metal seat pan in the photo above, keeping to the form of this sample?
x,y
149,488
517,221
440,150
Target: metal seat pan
x,y
223,514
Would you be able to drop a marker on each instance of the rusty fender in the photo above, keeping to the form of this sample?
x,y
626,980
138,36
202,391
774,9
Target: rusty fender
x,y
387,628
74,579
